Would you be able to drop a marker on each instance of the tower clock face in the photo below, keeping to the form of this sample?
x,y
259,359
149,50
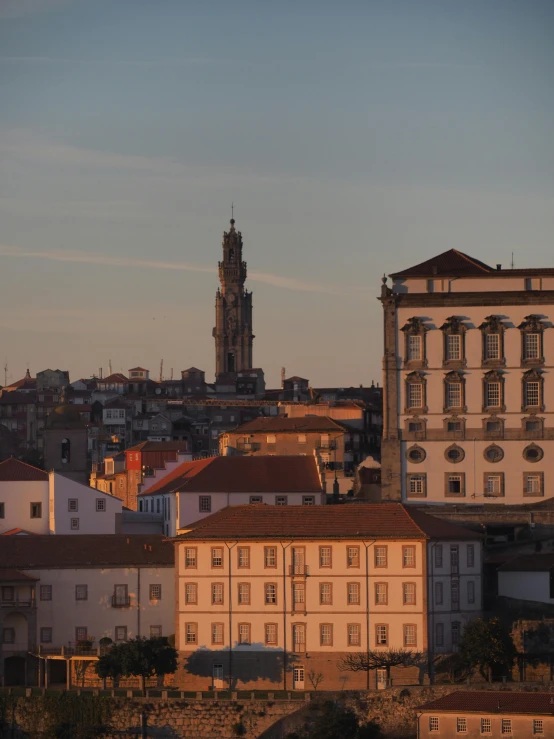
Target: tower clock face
x,y
232,298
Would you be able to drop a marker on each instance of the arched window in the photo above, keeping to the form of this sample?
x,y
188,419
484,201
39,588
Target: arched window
x,y
492,332
414,343
454,342
66,451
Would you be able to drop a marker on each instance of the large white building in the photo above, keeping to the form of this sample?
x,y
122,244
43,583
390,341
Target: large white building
x,y
266,595
468,387
39,502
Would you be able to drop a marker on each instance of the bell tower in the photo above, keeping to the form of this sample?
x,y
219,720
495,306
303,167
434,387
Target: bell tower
x,y
233,309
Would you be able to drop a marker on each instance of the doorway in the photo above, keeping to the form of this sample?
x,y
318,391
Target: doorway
x,y
217,677
298,678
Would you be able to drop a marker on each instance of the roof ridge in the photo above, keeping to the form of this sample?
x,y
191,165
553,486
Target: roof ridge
x,y
471,260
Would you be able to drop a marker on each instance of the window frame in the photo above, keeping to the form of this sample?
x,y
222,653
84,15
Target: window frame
x,y
532,324
213,558
405,549
532,377
415,328
539,474
420,481
406,602
462,493
219,624
492,326
384,602
204,504
83,593
193,633
455,377
193,599
356,592
385,627
274,626
275,600
415,378
453,326
266,554
323,643
385,549
329,601
244,588
245,563
353,563
349,641
213,599
487,476
405,640
497,378
321,564
186,559
35,510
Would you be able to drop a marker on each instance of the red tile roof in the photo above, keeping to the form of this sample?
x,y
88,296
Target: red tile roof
x,y
279,474
529,563
493,701
300,424
451,262
13,470
158,446
117,377
17,532
96,550
15,576
354,521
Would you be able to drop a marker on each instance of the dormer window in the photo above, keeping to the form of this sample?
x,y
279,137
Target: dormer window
x,y
493,391
414,337
492,331
532,331
532,391
454,342
454,391
415,393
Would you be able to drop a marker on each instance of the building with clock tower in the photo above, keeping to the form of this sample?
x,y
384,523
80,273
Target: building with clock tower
x,y
233,309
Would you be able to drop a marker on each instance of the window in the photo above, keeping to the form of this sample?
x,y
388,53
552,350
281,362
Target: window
x,y
470,591
270,557
244,593
485,726
415,395
217,593
155,592
190,558
8,635
454,454
531,346
415,427
410,635
454,484
494,426
381,634
492,346
455,633
191,593
353,556
271,439
493,453
81,633
325,556
281,500
353,593
271,633
256,499
538,726
454,426
36,510
453,392
299,637
380,556
433,723
470,555
217,633
73,505
308,500
191,633
381,593
244,633
506,726
46,592
120,598
438,555
461,725
533,483
8,593
298,596
438,593
439,634
217,557
100,504
494,483
74,524
120,633
2,510
243,554
301,438
416,454
81,592
205,504
453,347
455,595
493,394
409,593
408,557
46,635
354,635
454,559
325,635
271,593
325,593
533,453
532,390
414,352
416,485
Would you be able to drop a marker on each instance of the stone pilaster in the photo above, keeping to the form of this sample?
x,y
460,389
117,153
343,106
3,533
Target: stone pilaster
x,y
391,463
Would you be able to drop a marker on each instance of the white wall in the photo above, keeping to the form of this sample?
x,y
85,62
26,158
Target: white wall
x,y
525,585
64,613
91,521
17,498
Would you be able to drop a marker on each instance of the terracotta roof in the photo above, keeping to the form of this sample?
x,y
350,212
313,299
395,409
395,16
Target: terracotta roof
x,y
15,576
26,381
280,424
492,701
17,532
451,262
13,470
529,563
116,377
96,550
355,521
279,474
159,446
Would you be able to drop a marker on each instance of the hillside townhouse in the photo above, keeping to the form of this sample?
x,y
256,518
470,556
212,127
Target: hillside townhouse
x,y
57,591
268,595
193,490
468,391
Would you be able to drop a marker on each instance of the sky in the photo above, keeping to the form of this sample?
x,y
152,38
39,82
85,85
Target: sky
x,y
354,138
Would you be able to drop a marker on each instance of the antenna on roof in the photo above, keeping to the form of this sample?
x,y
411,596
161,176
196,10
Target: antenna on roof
x,y
512,260
6,372
161,370
171,373
110,365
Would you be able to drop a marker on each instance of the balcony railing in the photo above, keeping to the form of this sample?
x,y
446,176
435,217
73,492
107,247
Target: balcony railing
x,y
69,650
299,570
26,603
121,601
327,445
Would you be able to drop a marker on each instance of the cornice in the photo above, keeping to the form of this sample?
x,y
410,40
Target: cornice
x,y
503,298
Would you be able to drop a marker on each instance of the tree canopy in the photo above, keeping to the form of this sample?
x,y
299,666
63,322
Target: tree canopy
x,y
335,721
487,646
138,657
380,659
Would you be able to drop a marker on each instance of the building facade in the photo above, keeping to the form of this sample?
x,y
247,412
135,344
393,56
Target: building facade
x,y
233,309
468,392
265,596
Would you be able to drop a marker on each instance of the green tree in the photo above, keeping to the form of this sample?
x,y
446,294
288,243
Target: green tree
x,y
138,657
487,646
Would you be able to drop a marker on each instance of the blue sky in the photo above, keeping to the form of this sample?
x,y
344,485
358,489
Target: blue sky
x,y
354,138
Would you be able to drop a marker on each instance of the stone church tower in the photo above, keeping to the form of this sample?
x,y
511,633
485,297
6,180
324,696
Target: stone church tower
x,y
233,309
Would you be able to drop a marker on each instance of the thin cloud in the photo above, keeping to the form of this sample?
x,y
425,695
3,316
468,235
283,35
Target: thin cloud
x,y
81,257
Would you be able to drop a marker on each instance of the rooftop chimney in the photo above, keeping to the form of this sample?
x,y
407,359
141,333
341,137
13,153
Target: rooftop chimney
x,y
499,267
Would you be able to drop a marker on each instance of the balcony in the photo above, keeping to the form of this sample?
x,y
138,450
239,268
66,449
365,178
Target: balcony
x,y
326,445
69,650
25,603
121,601
299,570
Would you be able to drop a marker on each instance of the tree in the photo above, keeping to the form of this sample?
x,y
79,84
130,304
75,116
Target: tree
x,y
315,678
138,657
335,721
487,646
380,660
